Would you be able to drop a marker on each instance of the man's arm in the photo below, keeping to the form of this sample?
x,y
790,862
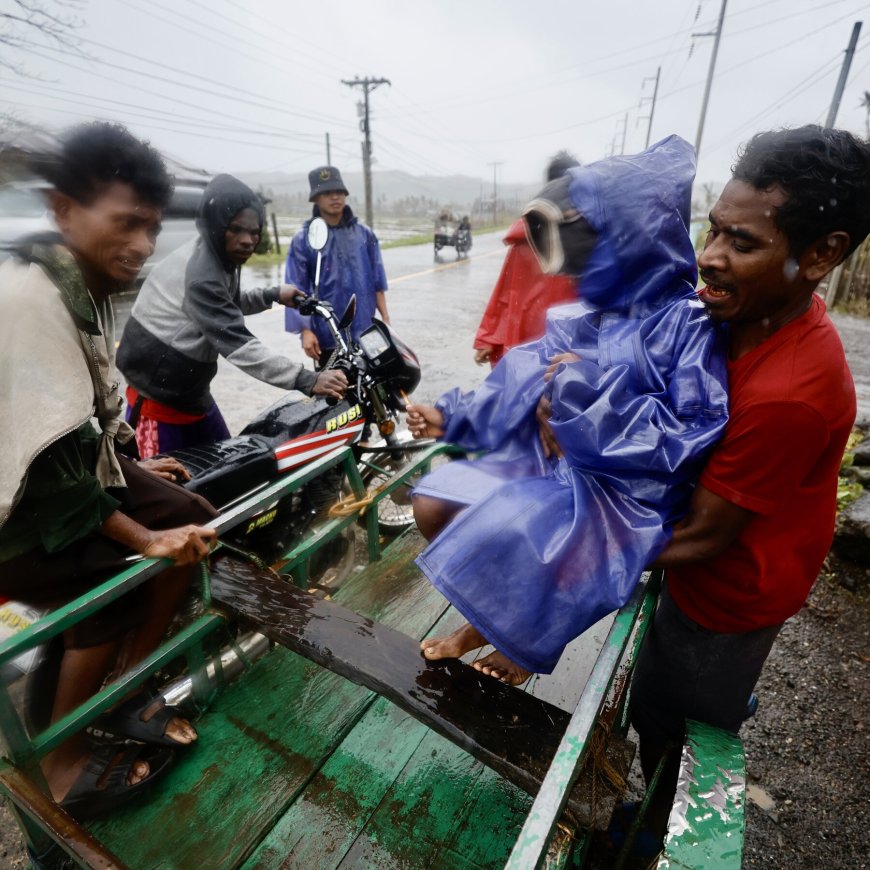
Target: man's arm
x,y
185,545
208,303
381,304
712,525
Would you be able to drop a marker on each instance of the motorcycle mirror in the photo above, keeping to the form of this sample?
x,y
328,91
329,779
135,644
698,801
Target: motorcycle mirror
x,y
349,312
318,233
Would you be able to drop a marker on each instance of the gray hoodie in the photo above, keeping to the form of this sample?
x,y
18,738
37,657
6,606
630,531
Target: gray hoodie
x,y
191,310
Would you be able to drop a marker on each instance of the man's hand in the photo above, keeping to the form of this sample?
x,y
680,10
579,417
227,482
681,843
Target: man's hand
x,y
482,354
290,295
330,382
424,421
545,431
185,545
310,344
167,467
555,362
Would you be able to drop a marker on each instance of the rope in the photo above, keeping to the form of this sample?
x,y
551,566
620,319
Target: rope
x,y
349,504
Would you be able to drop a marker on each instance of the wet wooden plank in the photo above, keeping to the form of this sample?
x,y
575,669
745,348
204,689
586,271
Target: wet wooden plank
x,y
263,740
418,816
327,817
323,822
509,730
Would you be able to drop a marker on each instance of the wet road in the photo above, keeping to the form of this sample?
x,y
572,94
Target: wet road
x,y
434,306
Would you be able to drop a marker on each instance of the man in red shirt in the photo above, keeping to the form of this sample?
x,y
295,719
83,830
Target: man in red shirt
x,y
762,515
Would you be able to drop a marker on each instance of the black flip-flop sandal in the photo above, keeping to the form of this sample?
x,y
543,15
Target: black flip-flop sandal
x,y
102,785
126,721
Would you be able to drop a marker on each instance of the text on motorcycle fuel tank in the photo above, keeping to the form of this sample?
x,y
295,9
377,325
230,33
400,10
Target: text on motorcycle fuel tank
x,y
341,429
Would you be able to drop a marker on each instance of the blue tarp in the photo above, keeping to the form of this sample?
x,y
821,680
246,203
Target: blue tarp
x,y
547,547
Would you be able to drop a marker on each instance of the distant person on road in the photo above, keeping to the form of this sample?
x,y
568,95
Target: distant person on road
x,y
517,308
351,264
189,312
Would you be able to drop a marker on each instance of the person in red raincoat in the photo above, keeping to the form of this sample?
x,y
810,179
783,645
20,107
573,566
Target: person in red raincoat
x,y
517,309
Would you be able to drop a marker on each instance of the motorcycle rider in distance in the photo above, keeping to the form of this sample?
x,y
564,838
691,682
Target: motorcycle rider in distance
x,y
191,310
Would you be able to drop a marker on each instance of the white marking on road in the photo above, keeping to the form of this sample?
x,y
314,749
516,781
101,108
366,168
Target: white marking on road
x,y
441,268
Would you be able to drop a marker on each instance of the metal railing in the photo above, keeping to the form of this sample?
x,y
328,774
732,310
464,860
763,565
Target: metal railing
x,y
20,778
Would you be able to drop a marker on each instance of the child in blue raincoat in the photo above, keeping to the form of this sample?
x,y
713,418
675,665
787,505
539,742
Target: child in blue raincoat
x,y
538,539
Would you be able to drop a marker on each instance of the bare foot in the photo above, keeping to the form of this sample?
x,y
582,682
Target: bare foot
x,y
498,665
453,646
61,777
178,729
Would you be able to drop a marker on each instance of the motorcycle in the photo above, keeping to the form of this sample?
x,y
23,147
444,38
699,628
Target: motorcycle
x,y
460,239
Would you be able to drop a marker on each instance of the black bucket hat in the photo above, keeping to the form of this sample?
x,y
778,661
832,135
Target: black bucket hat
x,y
325,179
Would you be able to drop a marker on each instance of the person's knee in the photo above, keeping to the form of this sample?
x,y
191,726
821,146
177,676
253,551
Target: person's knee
x,y
431,515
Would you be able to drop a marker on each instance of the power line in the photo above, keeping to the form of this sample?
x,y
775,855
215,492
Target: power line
x,y
222,96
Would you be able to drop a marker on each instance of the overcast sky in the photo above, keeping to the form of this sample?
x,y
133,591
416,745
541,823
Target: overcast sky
x,y
256,86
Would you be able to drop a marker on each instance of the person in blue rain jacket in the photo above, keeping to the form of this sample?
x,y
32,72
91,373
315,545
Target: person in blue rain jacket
x,y
595,433
351,264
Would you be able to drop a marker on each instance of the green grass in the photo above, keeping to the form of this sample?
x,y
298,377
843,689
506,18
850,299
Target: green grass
x,y
408,241
275,259
271,259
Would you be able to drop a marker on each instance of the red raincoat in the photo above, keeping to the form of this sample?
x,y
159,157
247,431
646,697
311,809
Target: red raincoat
x,y
517,309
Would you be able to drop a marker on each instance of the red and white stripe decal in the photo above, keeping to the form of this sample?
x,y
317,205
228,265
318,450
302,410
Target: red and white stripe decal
x,y
293,453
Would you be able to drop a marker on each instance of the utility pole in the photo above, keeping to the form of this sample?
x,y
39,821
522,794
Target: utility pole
x,y
328,152
494,165
717,33
368,85
652,108
844,74
624,131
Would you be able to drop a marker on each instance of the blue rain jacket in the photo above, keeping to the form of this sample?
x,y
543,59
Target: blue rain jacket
x,y
547,547
351,264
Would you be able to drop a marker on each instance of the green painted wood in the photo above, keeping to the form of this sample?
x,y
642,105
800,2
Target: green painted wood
x,y
511,731
706,825
322,824
434,794
264,739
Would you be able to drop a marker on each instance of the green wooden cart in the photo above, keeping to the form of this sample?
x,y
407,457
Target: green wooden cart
x,y
335,749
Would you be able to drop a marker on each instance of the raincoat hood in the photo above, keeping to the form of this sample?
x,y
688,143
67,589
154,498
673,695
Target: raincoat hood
x,y
639,207
222,200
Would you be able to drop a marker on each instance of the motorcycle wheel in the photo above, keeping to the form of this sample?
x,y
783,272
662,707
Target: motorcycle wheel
x,y
395,512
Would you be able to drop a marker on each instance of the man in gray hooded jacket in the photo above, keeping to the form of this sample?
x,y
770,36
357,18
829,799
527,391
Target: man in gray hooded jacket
x,y
190,311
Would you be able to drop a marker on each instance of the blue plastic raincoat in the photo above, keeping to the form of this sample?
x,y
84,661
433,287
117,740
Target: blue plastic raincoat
x,y
547,547
350,264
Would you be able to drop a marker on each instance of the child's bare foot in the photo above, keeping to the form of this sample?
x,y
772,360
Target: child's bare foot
x,y
498,665
453,646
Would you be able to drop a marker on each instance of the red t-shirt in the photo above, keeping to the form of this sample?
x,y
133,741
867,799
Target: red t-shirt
x,y
792,407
